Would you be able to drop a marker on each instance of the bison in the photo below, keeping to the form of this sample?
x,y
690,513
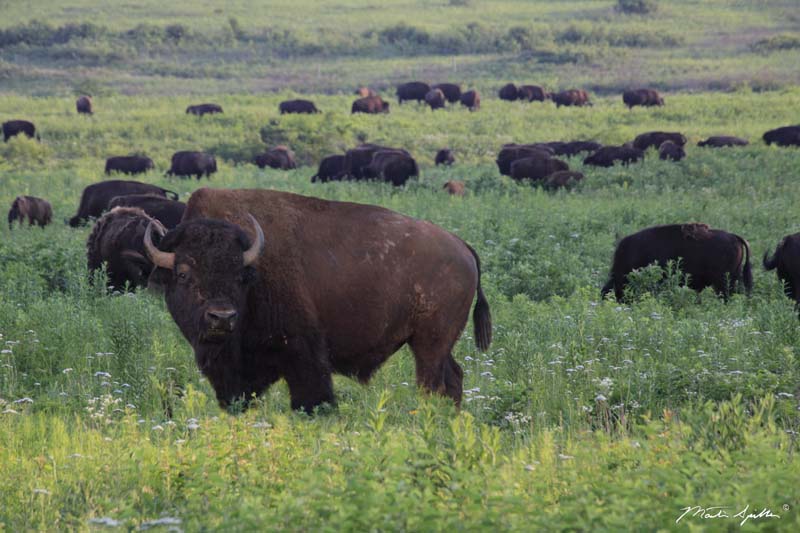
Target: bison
x,y
710,257
203,109
642,97
532,93
37,210
84,105
435,99
572,97
657,138
187,163
562,179
413,90
370,104
455,188
280,157
365,92
670,151
357,159
535,168
451,91
571,148
117,239
444,157
511,152
392,166
96,197
298,106
267,285
508,92
720,141
608,155
471,100
15,127
785,136
330,168
786,260
168,212
129,164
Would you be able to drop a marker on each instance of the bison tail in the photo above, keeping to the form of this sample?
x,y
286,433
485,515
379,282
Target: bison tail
x,y
481,315
770,263
747,271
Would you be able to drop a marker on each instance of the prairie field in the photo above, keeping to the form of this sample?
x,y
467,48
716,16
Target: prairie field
x,y
584,414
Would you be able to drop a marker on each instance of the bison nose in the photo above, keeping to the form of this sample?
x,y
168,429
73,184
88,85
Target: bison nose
x,y
221,318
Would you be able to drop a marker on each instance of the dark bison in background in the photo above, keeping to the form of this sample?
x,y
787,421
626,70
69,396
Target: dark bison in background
x,y
570,148
267,285
37,210
331,168
720,141
563,179
572,97
168,212
365,92
657,138
84,105
129,164
608,155
508,92
536,168
642,97
203,109
711,258
371,105
280,158
391,166
188,163
511,152
785,136
451,91
471,100
532,93
435,99
96,197
444,157
117,239
786,260
297,106
15,127
357,159
413,90
669,151
455,188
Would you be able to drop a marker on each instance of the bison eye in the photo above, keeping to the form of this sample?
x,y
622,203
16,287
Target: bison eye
x,y
182,276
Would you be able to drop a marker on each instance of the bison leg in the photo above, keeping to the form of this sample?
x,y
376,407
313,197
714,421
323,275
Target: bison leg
x,y
308,373
437,370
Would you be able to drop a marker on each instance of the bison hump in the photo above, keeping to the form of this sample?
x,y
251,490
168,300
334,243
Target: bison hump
x,y
696,231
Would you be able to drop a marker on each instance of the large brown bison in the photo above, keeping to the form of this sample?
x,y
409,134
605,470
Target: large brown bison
x,y
117,239
298,106
370,104
451,91
669,151
455,188
331,168
608,155
508,92
129,164
84,105
37,210
536,168
267,285
532,93
435,99
15,127
710,257
720,141
391,166
786,260
96,197
203,109
657,138
570,148
572,97
365,92
511,152
168,212
280,158
188,163
444,157
413,90
785,136
642,97
471,100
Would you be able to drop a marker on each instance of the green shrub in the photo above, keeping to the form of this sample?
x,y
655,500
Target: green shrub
x,y
638,7
776,43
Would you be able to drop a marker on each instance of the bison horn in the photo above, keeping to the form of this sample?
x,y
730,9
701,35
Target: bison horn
x,y
159,258
250,256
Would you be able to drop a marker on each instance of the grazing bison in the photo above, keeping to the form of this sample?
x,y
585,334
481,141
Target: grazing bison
x,y
608,155
532,93
508,92
451,91
657,138
129,164
117,239
642,97
785,136
435,99
330,168
187,163
720,141
37,210
365,92
444,157
471,100
562,179
84,105
511,152
571,148
15,127
413,90
572,97
267,285
392,166
280,157
168,212
535,168
787,260
298,106
96,197
370,104
670,151
455,188
203,109
357,159
711,258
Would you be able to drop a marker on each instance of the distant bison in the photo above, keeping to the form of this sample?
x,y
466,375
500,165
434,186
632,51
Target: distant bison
x,y
471,100
536,168
508,92
451,91
562,179
720,141
96,197
785,136
413,90
37,210
168,212
330,168
15,127
511,152
435,99
787,260
129,164
669,151
711,258
84,105
455,188
117,240
280,158
392,166
187,163
642,97
533,93
571,148
365,92
572,97
370,104
357,159
444,157
298,106
656,138
608,155
203,109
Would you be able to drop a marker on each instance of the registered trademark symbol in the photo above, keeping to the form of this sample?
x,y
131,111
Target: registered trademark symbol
x,y
785,506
